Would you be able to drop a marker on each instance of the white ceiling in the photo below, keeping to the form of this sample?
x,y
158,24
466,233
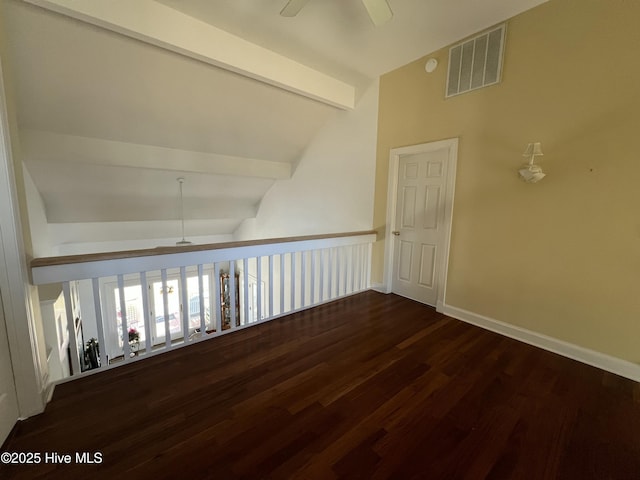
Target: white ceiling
x,y
102,98
338,38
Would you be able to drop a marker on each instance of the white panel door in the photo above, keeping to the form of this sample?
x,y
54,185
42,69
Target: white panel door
x,y
8,401
418,230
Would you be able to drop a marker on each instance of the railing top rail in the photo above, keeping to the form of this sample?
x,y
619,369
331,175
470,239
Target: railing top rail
x,y
45,263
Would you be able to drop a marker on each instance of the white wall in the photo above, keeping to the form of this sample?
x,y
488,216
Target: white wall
x,y
79,248
331,189
38,225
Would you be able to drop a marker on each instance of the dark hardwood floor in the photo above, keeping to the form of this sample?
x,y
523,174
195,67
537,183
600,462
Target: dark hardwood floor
x,y
371,386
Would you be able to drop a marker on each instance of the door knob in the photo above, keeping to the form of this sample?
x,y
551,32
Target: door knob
x,y
396,233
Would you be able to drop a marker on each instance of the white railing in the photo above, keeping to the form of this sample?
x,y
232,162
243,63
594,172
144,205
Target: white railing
x,y
139,303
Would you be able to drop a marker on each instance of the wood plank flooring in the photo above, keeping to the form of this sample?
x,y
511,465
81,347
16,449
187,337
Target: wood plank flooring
x,y
372,386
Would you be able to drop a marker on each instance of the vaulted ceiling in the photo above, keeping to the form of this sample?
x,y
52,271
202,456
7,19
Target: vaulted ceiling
x,y
116,99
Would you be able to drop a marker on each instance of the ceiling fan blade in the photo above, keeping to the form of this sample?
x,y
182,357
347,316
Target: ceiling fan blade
x,y
292,8
379,11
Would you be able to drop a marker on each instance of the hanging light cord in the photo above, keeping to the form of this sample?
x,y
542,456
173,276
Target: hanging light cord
x,y
183,241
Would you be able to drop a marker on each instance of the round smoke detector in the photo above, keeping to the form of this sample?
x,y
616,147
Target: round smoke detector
x,y
431,65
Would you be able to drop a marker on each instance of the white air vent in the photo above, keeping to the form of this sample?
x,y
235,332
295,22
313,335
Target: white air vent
x,y
476,63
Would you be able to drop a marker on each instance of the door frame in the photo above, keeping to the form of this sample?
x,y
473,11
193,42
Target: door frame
x,y
29,367
392,196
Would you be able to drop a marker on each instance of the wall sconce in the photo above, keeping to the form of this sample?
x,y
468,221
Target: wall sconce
x,y
532,173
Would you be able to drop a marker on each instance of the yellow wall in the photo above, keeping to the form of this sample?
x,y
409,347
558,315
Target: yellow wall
x,y
561,257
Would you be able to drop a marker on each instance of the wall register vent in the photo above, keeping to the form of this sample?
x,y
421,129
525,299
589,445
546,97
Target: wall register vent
x,y
476,63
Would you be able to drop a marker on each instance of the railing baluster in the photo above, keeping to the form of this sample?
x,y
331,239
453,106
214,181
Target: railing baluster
x,y
145,312
71,326
97,307
245,266
321,290
338,272
126,348
346,265
356,268
359,253
281,283
184,291
345,269
330,271
232,293
293,281
339,283
303,278
361,267
270,286
217,301
313,277
165,304
363,249
367,274
203,323
352,268
259,287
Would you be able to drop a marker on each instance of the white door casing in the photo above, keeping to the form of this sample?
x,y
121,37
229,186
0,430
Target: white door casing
x,y
419,215
8,399
27,361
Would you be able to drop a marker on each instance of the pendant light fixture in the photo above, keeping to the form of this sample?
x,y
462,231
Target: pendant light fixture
x,y
183,241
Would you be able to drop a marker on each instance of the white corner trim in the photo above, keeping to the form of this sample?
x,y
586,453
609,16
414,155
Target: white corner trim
x,y
599,360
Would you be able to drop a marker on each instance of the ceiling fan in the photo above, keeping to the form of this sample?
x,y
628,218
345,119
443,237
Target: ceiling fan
x,y
379,10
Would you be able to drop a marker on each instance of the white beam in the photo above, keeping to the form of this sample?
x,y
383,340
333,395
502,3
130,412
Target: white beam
x,y
54,147
165,27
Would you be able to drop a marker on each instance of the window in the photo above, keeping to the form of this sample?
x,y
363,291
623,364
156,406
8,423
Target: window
x,y
134,308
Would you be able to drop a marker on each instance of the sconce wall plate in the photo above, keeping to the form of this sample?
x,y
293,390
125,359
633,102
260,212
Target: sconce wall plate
x,y
532,174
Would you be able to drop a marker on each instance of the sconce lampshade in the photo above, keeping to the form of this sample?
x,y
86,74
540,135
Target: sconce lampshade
x,y
533,149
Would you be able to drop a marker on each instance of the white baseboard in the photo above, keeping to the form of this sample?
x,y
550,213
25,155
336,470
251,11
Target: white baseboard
x,y
379,287
48,392
615,365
